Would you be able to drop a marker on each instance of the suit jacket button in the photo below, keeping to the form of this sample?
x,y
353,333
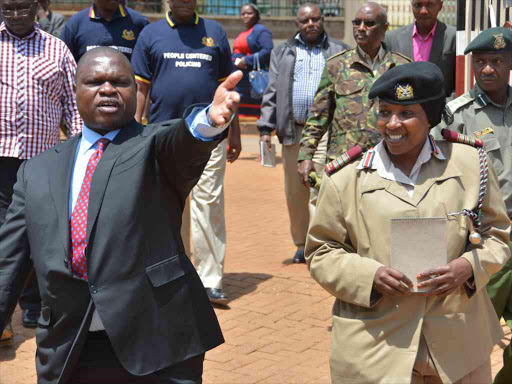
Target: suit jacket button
x,y
94,289
66,263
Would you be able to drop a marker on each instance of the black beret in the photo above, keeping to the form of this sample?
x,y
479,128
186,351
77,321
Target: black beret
x,y
496,39
411,83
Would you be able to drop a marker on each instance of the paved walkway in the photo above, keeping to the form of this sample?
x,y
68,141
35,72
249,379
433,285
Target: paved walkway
x,y
277,326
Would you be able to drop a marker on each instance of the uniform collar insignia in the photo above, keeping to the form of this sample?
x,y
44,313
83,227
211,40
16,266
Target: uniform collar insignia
x,y
482,99
435,149
367,160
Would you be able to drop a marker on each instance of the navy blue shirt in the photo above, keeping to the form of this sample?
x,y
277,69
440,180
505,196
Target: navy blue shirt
x,y
183,63
87,30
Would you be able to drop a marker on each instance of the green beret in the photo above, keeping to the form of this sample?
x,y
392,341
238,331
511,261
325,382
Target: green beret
x,y
410,83
496,39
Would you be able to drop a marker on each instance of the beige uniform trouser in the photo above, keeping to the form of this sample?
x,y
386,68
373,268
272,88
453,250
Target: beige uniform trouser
x,y
204,216
298,196
425,372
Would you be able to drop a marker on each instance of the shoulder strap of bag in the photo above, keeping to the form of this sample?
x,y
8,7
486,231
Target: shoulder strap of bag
x,y
256,63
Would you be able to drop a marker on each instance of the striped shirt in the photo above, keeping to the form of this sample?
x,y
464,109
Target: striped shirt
x,y
37,75
309,65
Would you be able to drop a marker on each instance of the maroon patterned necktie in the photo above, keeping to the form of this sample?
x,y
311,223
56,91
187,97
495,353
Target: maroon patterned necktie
x,y
78,221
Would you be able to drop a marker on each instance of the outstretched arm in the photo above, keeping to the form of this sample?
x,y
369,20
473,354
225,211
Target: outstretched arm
x,y
184,147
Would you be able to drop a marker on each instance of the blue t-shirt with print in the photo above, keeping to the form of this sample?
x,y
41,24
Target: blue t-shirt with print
x,y
87,30
183,63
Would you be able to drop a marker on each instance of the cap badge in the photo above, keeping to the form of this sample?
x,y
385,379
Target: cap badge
x,y
499,41
404,92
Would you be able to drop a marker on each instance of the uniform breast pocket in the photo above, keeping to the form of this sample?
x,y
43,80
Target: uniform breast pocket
x,y
349,97
493,148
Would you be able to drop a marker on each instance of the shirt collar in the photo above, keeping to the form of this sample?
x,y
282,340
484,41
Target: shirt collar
x,y
36,32
482,100
366,58
93,13
381,157
90,137
172,23
299,38
429,35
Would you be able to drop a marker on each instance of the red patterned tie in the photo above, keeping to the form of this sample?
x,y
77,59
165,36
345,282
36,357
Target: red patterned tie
x,y
79,216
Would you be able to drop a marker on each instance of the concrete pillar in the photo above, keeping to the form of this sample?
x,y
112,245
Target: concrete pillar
x,y
351,7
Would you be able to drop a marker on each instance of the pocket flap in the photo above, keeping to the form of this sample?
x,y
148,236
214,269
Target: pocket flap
x,y
165,271
348,87
45,317
491,144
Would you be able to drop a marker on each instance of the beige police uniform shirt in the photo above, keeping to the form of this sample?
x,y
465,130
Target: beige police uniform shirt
x,y
349,240
475,114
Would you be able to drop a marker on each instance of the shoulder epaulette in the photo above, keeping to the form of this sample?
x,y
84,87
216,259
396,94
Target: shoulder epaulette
x,y
401,55
457,137
339,54
344,159
460,101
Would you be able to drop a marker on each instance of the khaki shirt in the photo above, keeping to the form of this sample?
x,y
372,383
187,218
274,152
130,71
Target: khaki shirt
x,y
476,115
349,240
372,63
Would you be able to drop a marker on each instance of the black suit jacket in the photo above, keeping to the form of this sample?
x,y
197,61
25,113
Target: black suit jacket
x,y
147,292
443,52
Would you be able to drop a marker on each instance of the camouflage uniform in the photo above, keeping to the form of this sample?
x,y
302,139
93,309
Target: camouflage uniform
x,y
341,103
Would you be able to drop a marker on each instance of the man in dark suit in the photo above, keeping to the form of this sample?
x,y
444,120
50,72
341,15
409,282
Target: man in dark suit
x,y
100,217
427,39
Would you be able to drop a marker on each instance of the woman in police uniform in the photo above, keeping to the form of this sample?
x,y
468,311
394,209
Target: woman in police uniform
x,y
383,333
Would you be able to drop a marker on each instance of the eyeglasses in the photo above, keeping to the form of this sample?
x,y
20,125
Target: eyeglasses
x,y
367,23
21,12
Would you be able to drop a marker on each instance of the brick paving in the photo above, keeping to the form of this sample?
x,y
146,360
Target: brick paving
x,y
277,325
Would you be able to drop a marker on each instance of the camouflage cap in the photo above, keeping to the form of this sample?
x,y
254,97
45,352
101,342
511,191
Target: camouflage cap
x,y
411,83
496,39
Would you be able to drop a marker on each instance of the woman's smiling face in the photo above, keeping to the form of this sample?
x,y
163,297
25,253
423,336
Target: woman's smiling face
x,y
404,128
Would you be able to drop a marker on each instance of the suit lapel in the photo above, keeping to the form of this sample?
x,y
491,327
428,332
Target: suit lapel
x,y
60,183
102,172
407,41
437,44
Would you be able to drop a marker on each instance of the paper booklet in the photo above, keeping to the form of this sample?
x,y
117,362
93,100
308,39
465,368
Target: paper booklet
x,y
418,244
268,156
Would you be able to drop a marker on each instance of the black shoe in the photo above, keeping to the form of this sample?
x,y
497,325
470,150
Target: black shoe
x,y
216,296
29,318
299,256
